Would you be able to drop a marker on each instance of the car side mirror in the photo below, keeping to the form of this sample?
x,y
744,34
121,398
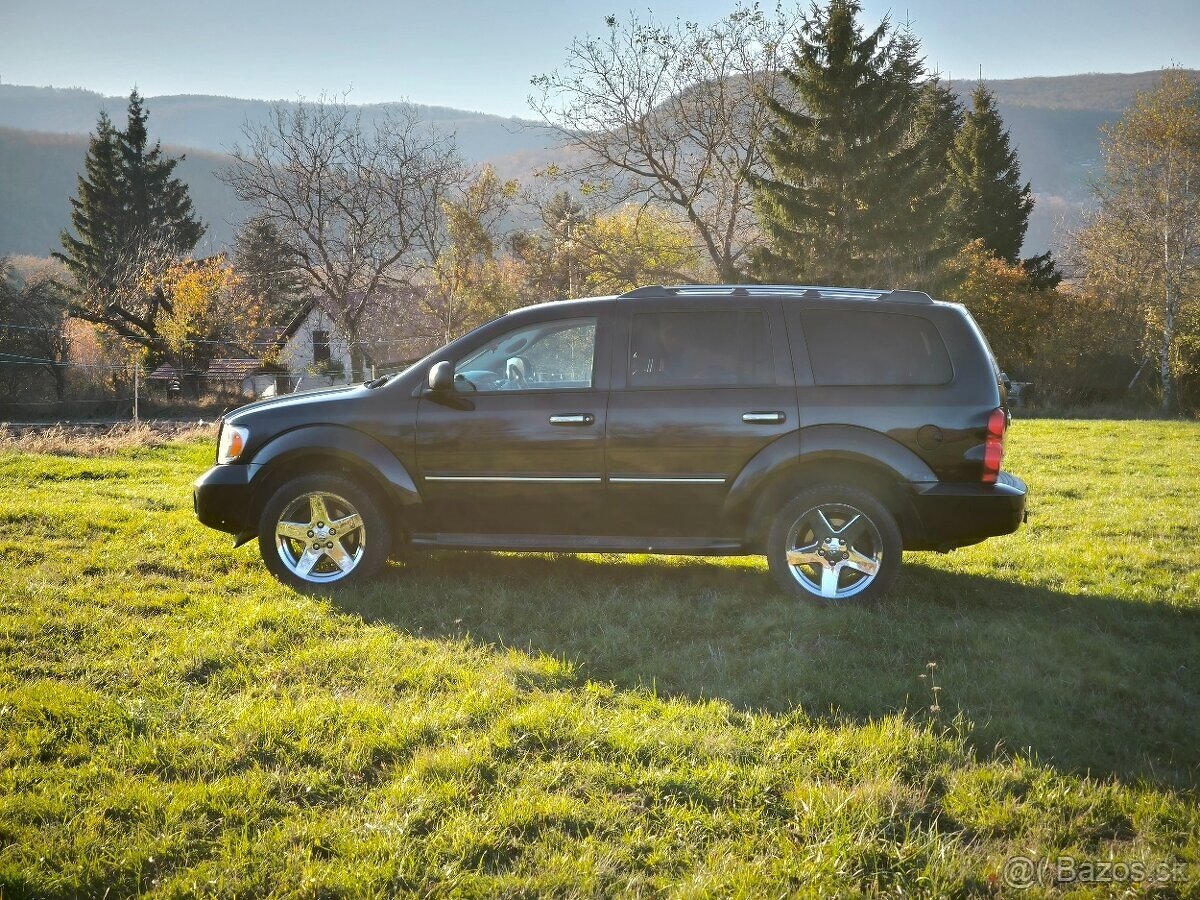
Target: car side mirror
x,y
441,377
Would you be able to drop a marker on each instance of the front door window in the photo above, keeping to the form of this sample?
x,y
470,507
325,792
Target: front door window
x,y
556,355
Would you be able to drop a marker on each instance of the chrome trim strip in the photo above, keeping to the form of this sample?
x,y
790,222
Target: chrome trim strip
x,y
570,479
655,479
580,479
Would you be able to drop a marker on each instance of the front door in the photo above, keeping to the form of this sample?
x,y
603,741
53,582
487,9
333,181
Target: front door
x,y
697,391
518,448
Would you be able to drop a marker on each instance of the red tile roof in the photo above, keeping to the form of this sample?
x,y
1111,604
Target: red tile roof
x,y
218,369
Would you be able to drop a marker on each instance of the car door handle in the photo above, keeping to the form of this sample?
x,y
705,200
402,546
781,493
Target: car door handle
x,y
572,419
763,418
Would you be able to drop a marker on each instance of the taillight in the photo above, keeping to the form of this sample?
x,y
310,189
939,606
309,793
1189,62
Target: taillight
x,y
993,446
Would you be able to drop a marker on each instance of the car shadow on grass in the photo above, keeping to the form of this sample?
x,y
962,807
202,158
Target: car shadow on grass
x,y
1087,683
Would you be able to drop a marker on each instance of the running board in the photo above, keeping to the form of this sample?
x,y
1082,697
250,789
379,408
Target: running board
x,y
564,543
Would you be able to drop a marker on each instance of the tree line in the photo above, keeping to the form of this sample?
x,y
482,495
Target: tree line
x,y
798,146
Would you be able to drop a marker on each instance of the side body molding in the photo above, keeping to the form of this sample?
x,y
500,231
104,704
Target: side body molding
x,y
359,450
818,443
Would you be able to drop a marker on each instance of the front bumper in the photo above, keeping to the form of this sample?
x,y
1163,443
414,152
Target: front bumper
x,y
955,515
223,497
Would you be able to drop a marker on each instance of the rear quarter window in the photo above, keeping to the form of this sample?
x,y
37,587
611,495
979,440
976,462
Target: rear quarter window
x,y
863,347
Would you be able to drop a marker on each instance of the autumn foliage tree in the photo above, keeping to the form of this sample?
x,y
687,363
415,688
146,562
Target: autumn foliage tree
x,y
1009,308
1074,345
1142,242
635,246
581,251
211,312
549,255
469,281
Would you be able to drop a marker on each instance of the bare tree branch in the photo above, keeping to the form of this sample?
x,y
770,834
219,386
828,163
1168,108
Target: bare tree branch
x,y
357,207
673,113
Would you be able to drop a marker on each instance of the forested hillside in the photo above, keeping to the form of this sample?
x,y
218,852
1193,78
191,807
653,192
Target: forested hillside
x,y
1054,123
1108,91
43,138
37,180
215,123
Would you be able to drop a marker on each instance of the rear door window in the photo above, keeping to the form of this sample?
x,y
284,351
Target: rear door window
x,y
863,347
697,348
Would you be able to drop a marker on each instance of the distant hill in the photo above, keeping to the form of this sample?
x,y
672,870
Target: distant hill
x,y
1102,91
43,139
38,177
215,123
1054,123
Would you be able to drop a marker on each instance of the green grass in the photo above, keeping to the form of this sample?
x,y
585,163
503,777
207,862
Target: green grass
x,y
173,722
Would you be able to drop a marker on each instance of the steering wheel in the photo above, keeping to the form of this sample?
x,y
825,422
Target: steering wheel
x,y
517,372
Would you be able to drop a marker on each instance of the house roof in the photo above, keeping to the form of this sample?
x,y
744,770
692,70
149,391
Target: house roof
x,y
282,335
392,339
233,368
218,369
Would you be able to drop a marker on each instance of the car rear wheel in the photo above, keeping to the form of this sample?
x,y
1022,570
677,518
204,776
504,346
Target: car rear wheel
x,y
323,531
834,544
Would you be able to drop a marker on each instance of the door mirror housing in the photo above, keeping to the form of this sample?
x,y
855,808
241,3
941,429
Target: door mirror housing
x,y
441,377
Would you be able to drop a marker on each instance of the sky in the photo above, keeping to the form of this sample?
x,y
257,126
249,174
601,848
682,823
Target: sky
x,y
479,55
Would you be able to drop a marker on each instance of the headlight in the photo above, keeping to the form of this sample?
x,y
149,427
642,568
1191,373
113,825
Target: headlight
x,y
231,443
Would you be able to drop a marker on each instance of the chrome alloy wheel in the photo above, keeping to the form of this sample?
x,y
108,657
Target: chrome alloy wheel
x,y
834,551
320,537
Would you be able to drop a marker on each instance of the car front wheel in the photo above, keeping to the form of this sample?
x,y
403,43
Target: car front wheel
x,y
322,531
834,544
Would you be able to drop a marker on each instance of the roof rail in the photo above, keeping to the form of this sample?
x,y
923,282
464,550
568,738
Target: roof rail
x,y
650,290
806,291
909,296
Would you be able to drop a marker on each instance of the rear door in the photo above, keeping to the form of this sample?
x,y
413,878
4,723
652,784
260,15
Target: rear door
x,y
699,388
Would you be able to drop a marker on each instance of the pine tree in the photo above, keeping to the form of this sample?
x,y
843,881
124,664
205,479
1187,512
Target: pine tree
x,y
130,217
936,119
987,199
96,214
551,256
262,260
157,202
850,195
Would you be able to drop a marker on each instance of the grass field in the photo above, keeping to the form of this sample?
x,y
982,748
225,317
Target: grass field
x,y
173,722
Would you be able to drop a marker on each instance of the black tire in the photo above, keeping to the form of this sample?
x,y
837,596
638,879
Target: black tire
x,y
877,536
341,498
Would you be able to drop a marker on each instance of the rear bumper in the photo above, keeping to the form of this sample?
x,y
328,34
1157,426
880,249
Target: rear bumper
x,y
222,497
955,515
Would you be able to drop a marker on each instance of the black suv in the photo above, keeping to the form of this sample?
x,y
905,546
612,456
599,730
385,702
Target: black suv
x,y
829,428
